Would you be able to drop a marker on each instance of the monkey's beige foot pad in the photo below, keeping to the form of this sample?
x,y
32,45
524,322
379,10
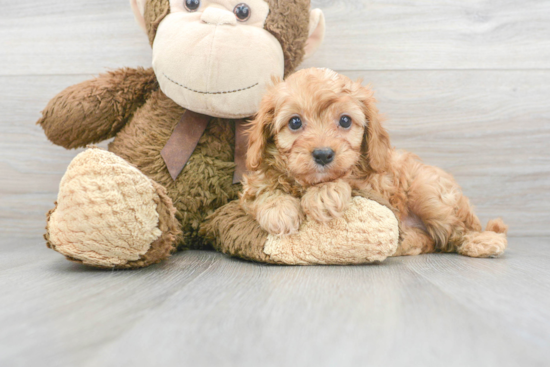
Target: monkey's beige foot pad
x,y
109,214
367,232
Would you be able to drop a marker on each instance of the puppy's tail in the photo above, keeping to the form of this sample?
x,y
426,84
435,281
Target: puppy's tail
x,y
490,243
497,226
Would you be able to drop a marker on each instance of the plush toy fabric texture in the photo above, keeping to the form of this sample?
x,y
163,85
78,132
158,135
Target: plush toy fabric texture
x,y
154,12
103,198
206,182
367,232
104,107
96,110
221,89
289,23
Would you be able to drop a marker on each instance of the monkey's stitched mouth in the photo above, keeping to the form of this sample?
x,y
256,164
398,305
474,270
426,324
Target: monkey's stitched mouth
x,y
201,92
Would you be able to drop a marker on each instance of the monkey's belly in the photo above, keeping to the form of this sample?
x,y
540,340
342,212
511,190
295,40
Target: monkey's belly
x,y
205,185
206,182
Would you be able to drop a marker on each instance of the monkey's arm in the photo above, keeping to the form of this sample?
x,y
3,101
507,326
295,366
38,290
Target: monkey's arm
x,y
96,109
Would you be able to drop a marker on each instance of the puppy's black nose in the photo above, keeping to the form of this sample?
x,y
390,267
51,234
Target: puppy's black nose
x,y
323,156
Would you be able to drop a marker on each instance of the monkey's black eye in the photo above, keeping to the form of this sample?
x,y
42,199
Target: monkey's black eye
x,y
192,5
345,122
295,123
242,12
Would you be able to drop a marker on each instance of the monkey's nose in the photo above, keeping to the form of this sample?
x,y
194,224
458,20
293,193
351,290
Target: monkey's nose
x,y
323,156
216,16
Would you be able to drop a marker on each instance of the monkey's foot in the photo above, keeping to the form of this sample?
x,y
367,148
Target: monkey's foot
x,y
108,214
366,232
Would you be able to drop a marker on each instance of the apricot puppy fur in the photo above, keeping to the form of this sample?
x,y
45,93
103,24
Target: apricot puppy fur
x,y
318,136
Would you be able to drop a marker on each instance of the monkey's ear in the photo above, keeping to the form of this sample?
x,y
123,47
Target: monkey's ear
x,y
316,32
138,6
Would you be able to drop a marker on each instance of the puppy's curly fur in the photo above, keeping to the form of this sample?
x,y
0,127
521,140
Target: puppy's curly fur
x,y
286,182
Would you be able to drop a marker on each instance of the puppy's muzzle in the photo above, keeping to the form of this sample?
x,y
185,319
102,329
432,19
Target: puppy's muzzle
x,y
323,156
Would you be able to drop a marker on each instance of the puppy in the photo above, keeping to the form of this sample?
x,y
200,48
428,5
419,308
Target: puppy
x,y
318,136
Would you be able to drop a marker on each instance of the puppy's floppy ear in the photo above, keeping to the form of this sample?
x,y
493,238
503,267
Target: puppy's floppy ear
x,y
376,141
259,132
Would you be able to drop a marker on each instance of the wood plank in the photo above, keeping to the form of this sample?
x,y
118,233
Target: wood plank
x,y
83,37
433,34
78,309
498,290
76,37
202,308
488,128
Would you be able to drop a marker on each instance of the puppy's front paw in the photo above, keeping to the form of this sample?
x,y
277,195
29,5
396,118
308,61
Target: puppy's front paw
x,y
326,201
280,214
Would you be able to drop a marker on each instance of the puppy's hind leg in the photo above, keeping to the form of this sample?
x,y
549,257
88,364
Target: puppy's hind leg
x,y
490,243
449,218
415,241
469,239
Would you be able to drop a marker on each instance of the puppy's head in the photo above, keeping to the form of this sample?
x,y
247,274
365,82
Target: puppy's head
x,y
318,126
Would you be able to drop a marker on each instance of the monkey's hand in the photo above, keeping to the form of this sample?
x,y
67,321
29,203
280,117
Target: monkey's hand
x,y
277,213
96,110
326,201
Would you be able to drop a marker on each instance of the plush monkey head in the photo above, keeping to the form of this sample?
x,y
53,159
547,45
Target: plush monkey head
x,y
216,57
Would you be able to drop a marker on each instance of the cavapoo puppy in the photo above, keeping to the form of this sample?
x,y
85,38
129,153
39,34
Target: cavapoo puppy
x,y
318,136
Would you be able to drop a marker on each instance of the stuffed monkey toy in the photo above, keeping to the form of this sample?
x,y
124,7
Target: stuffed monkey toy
x,y
179,143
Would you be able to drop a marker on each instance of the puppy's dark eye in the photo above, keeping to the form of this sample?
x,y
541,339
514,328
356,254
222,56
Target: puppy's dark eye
x,y
242,12
295,123
192,5
345,122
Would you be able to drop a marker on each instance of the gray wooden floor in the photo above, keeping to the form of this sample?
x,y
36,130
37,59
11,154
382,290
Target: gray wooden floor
x,y
204,309
464,84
